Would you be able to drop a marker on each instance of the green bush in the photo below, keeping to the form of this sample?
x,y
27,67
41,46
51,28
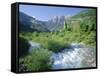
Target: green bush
x,y
54,46
38,60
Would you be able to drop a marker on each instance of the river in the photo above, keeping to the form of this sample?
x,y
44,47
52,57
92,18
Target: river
x,y
77,55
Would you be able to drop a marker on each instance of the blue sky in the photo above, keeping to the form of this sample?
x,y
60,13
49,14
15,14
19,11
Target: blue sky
x,y
45,13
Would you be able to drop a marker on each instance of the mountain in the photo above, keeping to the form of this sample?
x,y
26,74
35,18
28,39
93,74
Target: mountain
x,y
87,19
30,24
85,13
56,23
84,19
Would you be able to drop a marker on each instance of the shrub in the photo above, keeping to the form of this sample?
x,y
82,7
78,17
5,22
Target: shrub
x,y
55,46
38,60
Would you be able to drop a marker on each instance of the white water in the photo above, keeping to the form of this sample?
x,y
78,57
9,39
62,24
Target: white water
x,y
34,45
77,56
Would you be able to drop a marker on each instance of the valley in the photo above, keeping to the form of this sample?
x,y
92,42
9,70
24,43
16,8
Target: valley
x,y
59,43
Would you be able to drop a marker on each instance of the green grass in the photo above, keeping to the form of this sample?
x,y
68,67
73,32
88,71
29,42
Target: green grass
x,y
57,41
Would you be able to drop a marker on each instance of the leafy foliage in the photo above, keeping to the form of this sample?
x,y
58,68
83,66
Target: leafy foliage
x,y
39,60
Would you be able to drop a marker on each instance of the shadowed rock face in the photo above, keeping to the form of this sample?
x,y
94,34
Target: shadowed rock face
x,y
30,24
78,56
